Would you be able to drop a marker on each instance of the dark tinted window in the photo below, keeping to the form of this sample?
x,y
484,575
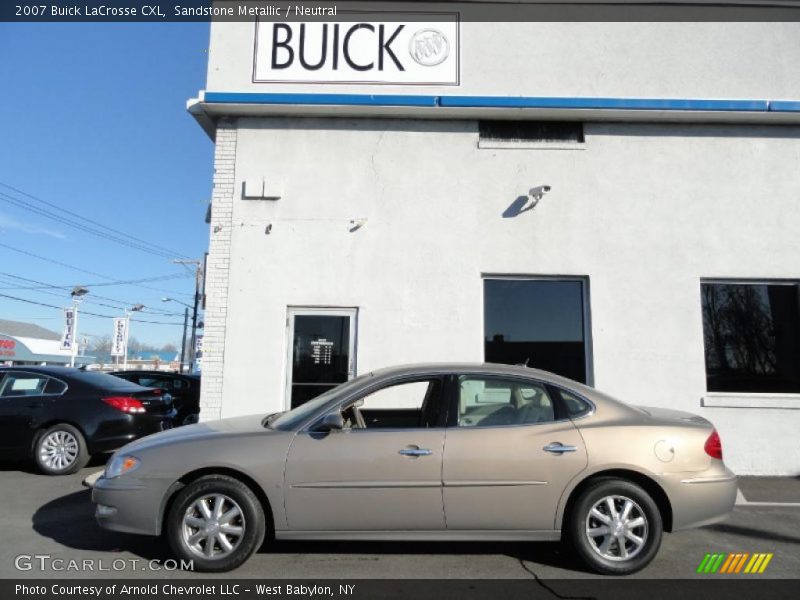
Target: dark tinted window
x,y
752,337
538,322
54,386
102,381
531,131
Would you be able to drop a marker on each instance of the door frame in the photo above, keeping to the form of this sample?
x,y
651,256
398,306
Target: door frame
x,y
331,311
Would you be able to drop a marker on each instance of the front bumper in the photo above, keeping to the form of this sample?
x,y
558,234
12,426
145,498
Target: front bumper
x,y
129,504
701,499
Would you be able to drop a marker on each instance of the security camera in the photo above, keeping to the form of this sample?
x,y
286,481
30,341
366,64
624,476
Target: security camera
x,y
539,191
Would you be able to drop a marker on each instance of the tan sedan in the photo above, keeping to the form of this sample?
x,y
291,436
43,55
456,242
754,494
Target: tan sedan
x,y
427,452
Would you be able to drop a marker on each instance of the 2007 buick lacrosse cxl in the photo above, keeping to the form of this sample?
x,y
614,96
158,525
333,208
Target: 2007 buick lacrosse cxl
x,y
427,452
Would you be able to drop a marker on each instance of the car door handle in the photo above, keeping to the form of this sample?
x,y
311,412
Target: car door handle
x,y
558,448
415,452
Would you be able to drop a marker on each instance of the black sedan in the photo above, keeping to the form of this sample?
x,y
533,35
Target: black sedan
x,y
184,389
62,416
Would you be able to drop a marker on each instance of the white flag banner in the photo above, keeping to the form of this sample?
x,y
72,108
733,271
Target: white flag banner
x,y
68,338
119,341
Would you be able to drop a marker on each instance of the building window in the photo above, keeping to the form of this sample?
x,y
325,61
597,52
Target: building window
x,y
538,322
557,135
751,333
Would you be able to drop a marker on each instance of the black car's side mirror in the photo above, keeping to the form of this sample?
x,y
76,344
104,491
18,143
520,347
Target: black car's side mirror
x,y
331,422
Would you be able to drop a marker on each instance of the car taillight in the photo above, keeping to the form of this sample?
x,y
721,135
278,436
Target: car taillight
x,y
126,404
713,445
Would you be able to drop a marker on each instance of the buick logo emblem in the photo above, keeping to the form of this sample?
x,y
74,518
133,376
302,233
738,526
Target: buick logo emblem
x,y
429,47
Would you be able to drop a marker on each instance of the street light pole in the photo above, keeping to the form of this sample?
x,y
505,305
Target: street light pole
x,y
185,320
78,292
128,311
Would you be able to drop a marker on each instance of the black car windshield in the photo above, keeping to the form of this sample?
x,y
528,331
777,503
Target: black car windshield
x,y
103,381
291,419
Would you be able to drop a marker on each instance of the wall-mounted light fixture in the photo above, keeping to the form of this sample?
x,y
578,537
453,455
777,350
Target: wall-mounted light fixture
x,y
536,194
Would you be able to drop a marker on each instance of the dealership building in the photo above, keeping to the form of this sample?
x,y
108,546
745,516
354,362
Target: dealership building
x,y
615,202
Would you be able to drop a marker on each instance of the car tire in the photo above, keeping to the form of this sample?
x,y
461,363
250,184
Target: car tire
x,y
60,450
615,527
190,419
216,537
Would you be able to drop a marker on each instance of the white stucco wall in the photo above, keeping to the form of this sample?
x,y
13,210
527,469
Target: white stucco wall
x,y
644,211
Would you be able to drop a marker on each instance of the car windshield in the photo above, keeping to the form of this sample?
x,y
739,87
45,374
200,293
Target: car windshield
x,y
291,419
104,381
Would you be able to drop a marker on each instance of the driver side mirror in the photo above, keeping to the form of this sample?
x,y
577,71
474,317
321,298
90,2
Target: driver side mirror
x,y
331,422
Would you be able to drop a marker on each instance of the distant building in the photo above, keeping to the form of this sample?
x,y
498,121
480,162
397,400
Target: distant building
x,y
29,344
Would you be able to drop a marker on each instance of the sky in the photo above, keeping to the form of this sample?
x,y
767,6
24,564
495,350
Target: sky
x,y
94,122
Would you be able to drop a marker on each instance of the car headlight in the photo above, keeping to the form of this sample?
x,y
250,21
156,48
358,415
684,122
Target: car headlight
x,y
121,464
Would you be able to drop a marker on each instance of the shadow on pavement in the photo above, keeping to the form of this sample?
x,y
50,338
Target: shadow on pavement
x,y
69,520
750,532
551,554
29,466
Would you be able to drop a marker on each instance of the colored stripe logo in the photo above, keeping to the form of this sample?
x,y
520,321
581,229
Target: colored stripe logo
x,y
735,563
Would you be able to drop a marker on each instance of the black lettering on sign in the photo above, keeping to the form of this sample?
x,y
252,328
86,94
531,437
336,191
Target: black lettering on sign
x,y
346,47
282,44
323,54
384,47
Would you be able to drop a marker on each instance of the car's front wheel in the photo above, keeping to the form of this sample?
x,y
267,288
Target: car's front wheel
x,y
217,522
615,527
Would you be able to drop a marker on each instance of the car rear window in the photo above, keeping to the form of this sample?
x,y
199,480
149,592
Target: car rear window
x,y
103,381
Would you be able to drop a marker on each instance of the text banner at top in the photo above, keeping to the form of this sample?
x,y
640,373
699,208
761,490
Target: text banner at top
x,y
328,11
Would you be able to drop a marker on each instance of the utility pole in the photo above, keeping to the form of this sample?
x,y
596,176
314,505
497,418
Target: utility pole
x,y
183,337
198,282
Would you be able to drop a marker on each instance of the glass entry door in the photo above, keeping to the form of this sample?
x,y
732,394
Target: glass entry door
x,y
322,345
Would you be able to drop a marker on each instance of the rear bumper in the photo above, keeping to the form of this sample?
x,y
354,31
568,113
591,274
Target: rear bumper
x,y
700,499
113,435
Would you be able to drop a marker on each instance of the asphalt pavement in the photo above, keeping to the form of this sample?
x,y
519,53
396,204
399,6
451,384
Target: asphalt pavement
x,y
53,517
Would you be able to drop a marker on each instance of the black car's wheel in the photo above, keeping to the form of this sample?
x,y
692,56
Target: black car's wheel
x,y
60,450
189,418
615,527
217,522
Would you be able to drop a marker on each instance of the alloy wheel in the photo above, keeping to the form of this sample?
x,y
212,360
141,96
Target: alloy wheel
x,y
213,526
616,528
58,450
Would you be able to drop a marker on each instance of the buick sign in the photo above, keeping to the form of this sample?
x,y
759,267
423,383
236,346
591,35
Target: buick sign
x,y
358,52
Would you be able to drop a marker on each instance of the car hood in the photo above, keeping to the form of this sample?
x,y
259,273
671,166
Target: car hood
x,y
224,427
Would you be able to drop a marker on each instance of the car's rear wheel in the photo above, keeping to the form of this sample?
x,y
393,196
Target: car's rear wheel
x,y
217,522
615,527
60,450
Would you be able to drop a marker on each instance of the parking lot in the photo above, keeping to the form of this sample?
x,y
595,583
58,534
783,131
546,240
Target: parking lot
x,y
53,516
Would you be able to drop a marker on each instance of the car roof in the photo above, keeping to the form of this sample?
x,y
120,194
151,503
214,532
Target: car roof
x,y
472,368
46,370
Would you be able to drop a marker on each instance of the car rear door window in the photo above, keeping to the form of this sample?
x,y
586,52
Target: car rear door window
x,y
491,402
23,384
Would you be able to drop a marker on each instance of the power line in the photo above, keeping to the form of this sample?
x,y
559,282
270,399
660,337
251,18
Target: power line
x,y
46,288
85,312
62,264
115,235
